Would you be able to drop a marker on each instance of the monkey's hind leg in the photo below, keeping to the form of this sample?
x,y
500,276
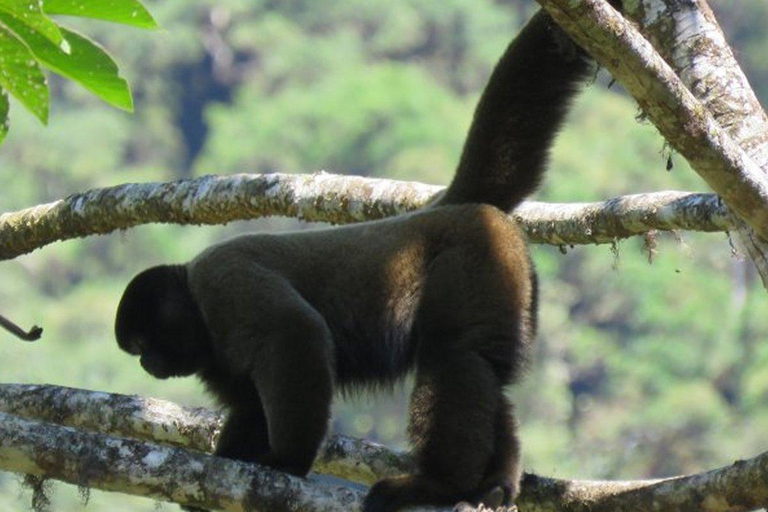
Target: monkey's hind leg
x,y
459,429
501,483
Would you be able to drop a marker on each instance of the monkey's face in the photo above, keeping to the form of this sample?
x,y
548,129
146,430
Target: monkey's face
x,y
158,360
159,322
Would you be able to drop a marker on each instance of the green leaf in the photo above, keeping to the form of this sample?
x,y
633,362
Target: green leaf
x,y
4,108
31,14
128,12
20,74
86,63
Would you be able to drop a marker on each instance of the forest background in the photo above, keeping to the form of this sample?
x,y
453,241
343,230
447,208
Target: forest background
x,y
650,361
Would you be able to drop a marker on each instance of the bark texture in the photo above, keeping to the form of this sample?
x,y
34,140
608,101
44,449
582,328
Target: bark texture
x,y
688,37
149,419
165,473
622,217
682,119
103,461
337,200
742,486
207,200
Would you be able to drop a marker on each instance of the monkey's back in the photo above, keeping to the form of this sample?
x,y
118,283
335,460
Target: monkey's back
x,y
368,280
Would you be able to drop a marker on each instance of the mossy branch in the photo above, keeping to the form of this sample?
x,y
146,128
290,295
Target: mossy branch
x,y
37,446
335,199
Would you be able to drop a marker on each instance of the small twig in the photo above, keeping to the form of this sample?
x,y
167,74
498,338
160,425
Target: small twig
x,y
33,334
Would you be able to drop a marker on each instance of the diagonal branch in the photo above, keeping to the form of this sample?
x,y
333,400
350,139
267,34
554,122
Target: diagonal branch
x,y
682,119
739,487
335,199
688,37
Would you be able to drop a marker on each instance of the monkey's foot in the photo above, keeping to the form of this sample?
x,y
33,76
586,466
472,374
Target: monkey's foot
x,y
391,494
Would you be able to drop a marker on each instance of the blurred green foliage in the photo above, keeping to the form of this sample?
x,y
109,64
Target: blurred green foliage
x,y
643,369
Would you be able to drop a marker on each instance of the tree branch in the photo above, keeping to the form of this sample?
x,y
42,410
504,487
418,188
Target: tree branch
x,y
165,473
688,37
32,335
149,419
335,199
682,119
622,217
738,487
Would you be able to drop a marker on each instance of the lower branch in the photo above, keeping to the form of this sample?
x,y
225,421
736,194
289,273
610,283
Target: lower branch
x,y
335,199
160,421
165,473
736,488
740,487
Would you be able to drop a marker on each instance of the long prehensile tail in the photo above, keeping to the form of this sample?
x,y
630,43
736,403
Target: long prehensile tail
x,y
518,116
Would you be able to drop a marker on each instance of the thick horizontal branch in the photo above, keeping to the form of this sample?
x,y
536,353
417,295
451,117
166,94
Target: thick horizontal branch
x,y
208,200
335,199
161,421
119,415
165,473
682,119
738,487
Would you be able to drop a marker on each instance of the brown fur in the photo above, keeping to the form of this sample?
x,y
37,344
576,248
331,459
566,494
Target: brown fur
x,y
274,324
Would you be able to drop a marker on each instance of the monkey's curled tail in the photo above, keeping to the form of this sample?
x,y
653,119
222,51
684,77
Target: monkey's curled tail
x,y
518,116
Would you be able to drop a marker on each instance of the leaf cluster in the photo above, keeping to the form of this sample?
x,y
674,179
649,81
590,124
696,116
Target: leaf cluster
x,y
30,41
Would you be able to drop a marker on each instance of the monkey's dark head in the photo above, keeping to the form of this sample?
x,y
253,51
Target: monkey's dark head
x,y
159,321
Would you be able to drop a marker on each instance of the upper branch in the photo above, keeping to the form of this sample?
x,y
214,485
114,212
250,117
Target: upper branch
x,y
622,217
335,199
208,200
